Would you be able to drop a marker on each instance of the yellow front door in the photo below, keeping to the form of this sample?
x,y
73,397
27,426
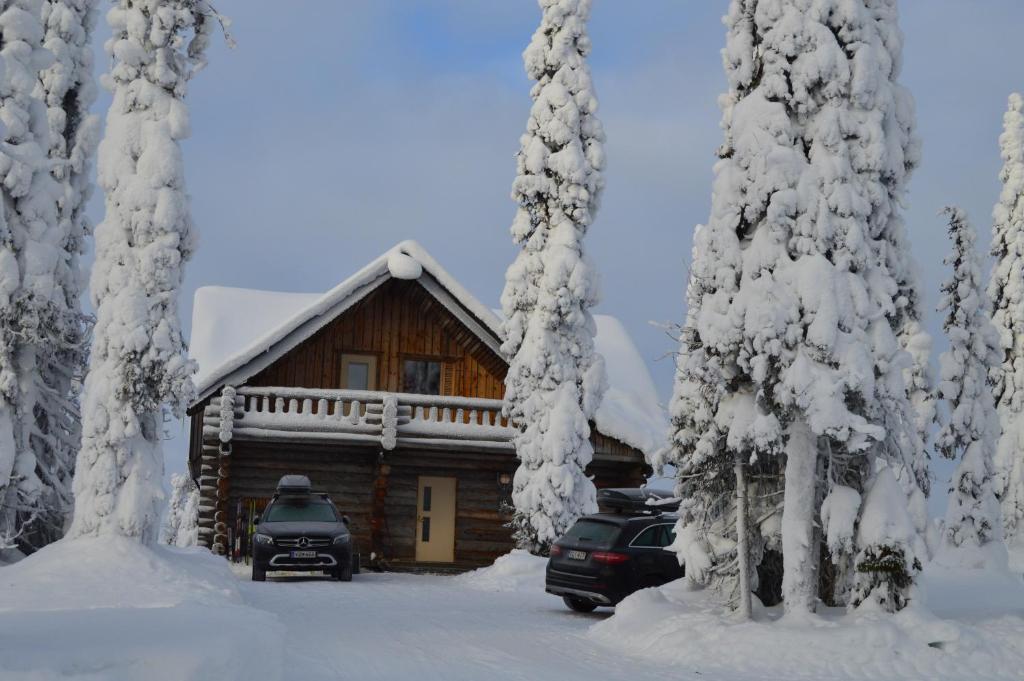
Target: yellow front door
x,y
435,520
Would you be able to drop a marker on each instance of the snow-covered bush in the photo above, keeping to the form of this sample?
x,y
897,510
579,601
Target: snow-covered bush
x,y
1006,290
886,564
555,379
802,296
181,525
138,366
970,433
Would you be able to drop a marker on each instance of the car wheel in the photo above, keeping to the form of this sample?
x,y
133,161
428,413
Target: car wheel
x,y
578,604
345,574
258,575
356,564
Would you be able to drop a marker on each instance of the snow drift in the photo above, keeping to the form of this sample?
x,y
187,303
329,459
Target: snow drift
x,y
109,608
690,629
518,570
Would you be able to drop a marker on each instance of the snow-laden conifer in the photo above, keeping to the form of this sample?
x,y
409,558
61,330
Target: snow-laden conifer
x,y
555,379
973,521
181,525
799,286
1006,289
52,342
138,367
33,492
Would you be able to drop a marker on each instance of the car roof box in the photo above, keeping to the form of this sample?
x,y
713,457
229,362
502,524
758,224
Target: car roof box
x,y
294,485
638,500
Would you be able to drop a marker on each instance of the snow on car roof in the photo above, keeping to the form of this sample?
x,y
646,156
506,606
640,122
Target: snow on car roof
x,y
232,327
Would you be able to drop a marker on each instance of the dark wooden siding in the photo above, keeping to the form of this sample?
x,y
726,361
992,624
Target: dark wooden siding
x,y
346,473
397,321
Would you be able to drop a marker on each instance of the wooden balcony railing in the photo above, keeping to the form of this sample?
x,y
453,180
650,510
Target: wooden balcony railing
x,y
356,416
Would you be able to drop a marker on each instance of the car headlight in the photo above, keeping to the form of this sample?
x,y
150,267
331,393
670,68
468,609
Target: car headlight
x,y
263,539
342,539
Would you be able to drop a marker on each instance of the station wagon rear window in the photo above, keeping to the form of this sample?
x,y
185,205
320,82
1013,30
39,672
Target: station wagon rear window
x,y
283,512
594,532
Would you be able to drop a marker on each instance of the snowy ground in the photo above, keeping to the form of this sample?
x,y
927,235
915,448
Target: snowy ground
x,y
114,611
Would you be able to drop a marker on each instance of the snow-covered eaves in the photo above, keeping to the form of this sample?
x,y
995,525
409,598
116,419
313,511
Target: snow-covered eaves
x,y
236,333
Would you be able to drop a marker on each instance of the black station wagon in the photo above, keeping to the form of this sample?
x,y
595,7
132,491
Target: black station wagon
x,y
607,556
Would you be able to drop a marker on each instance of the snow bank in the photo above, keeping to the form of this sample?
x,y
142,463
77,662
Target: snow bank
x,y
108,608
688,628
515,571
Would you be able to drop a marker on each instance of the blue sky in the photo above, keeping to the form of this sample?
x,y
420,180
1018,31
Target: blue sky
x,y
335,129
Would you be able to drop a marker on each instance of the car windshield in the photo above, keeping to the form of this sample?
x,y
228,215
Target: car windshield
x,y
594,532
292,511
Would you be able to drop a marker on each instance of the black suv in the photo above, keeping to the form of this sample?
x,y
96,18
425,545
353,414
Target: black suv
x,y
607,556
301,530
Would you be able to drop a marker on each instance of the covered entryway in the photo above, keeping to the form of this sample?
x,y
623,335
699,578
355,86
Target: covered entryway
x,y
435,520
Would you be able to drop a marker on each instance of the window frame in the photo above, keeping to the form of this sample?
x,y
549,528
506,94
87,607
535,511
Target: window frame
x,y
441,362
371,359
634,545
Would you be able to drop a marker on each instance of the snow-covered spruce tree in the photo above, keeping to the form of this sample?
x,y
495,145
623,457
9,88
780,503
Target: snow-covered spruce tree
x,y
1006,290
138,367
55,351
714,537
555,379
801,309
973,522
33,492
181,525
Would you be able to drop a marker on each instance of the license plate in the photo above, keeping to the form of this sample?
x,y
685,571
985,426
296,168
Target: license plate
x,y
303,554
578,555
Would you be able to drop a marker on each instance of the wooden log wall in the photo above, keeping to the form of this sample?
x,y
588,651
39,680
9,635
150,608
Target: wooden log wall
x,y
398,321
346,474
480,535
350,476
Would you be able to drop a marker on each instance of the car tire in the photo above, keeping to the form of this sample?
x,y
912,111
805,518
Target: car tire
x,y
258,574
356,564
345,573
578,604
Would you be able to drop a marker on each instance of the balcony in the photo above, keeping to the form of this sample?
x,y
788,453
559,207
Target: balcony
x,y
357,417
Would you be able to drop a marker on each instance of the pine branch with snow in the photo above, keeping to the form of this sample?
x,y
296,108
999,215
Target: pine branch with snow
x,y
555,379
138,366
1006,290
970,433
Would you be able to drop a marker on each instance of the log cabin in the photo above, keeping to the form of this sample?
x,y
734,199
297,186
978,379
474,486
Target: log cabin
x,y
386,392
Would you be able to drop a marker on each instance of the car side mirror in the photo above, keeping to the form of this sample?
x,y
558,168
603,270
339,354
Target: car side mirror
x,y
345,520
256,520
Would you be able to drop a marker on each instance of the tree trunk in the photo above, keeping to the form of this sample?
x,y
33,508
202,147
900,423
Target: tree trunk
x,y
742,548
799,546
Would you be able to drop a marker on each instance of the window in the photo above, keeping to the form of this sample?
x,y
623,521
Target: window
x,y
594,532
288,512
421,377
358,372
655,536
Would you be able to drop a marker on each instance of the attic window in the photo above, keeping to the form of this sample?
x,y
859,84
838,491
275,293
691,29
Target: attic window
x,y
358,372
421,377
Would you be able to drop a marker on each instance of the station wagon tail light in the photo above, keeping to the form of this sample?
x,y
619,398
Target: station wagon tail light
x,y
556,550
609,557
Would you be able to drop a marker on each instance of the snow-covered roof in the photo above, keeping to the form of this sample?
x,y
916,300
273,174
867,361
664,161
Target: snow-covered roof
x,y
236,332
